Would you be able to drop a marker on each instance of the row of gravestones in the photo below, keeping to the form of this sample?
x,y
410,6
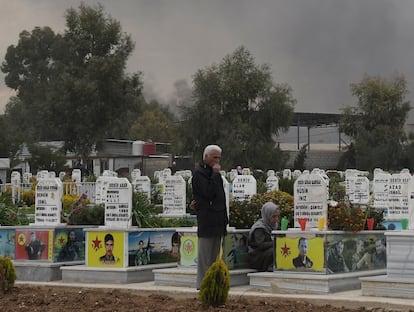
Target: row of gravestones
x,y
392,192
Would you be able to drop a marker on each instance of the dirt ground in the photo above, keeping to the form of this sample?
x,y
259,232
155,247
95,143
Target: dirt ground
x,y
59,299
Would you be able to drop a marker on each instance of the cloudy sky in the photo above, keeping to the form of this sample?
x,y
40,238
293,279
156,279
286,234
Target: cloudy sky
x,y
318,47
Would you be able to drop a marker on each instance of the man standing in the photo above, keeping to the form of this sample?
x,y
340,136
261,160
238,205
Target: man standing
x,y
210,205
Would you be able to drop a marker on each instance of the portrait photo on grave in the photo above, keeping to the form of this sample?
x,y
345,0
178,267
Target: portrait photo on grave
x,y
355,253
32,245
7,243
105,248
151,247
69,245
300,253
235,250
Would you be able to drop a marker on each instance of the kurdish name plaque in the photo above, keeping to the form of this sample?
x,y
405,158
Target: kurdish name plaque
x,y
118,203
310,197
48,203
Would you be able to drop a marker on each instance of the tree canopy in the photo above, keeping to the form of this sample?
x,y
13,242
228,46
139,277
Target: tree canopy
x,y
73,86
239,107
376,123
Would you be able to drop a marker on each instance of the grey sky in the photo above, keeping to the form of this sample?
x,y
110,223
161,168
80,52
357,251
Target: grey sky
x,y
318,47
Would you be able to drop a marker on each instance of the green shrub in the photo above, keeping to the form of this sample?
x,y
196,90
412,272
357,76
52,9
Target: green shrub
x,y
7,274
88,215
214,289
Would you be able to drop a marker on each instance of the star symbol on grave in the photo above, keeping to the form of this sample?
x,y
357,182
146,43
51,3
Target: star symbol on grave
x,y
96,244
61,240
21,239
285,251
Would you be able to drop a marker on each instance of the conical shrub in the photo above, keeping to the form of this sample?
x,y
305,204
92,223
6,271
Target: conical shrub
x,y
7,274
214,289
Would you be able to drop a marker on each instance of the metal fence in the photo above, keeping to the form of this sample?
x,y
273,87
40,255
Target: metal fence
x,y
71,188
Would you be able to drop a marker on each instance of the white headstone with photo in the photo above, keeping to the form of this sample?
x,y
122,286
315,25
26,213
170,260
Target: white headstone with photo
x,y
310,199
244,187
174,199
118,203
48,201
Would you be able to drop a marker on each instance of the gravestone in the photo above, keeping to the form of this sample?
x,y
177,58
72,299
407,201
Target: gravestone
x,y
232,174
118,203
296,174
360,194
380,188
48,201
135,173
76,175
174,199
15,185
310,199
398,196
226,186
101,186
244,187
62,175
272,181
287,174
142,184
26,177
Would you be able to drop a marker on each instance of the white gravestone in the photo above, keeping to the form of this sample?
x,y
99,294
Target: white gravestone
x,y
76,175
142,184
287,174
101,186
244,187
226,186
272,183
15,185
174,199
411,204
380,188
135,173
296,174
118,203
398,196
360,190
310,199
48,202
26,177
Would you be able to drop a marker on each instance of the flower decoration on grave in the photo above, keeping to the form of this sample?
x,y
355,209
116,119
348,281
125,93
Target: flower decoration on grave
x,y
342,216
244,213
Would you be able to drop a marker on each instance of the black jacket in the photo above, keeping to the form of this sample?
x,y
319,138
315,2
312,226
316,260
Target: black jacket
x,y
208,192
